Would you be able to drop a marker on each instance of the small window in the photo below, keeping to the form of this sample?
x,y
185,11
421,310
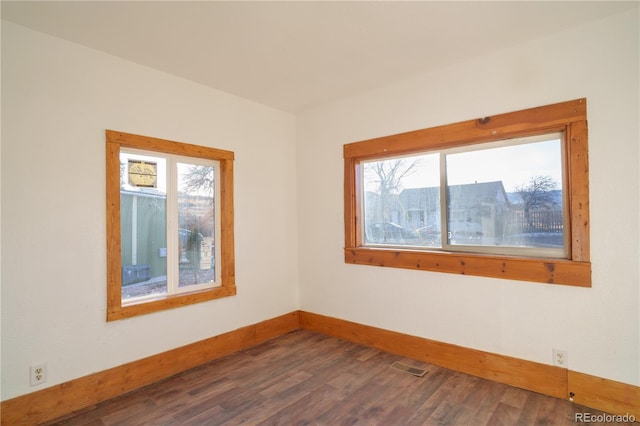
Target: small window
x,y
504,196
170,228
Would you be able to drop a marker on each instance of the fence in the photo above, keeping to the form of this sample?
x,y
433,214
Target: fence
x,y
548,221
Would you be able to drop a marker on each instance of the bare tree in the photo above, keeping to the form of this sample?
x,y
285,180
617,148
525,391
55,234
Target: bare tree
x,y
199,179
537,195
388,176
123,171
197,204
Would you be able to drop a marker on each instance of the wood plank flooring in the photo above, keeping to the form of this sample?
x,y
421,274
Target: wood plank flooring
x,y
305,378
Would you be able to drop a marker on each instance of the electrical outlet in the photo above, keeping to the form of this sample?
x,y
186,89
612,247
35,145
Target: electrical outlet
x,y
38,374
560,358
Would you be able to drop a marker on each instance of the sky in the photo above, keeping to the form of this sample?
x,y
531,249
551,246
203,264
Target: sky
x,y
514,165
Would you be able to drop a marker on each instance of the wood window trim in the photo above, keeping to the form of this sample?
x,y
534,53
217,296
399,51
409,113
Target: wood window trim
x,y
569,117
114,142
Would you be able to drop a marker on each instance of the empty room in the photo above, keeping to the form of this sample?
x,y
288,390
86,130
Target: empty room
x,y
320,212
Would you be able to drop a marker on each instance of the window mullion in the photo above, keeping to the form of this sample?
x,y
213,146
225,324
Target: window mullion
x,y
444,227
173,248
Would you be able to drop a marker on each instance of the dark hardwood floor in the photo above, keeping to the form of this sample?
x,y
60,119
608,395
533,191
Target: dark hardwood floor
x,y
304,378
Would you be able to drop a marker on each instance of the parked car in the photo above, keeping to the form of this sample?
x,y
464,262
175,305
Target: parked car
x,y
429,236
389,232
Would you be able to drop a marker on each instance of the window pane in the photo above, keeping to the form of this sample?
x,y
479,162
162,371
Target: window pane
x,y
196,219
507,196
143,224
401,204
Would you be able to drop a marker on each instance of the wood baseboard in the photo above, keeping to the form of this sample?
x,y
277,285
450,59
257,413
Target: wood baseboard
x,y
604,394
59,400
65,398
541,378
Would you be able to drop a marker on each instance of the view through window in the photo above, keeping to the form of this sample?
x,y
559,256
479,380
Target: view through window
x,y
502,197
152,263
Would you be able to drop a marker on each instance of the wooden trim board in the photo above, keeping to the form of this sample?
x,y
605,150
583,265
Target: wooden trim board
x,y
65,398
59,400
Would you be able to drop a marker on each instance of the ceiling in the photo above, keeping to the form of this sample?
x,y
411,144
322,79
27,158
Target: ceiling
x,y
295,55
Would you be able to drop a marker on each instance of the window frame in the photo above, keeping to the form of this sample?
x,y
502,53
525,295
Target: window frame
x,y
568,117
117,310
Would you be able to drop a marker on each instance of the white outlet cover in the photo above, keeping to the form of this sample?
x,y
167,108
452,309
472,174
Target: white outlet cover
x,y
560,358
37,374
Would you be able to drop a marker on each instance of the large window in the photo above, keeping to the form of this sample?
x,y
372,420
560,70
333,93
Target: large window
x,y
170,224
503,196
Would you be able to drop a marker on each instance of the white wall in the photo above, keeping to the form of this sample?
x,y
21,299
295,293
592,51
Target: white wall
x,y
57,100
598,326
